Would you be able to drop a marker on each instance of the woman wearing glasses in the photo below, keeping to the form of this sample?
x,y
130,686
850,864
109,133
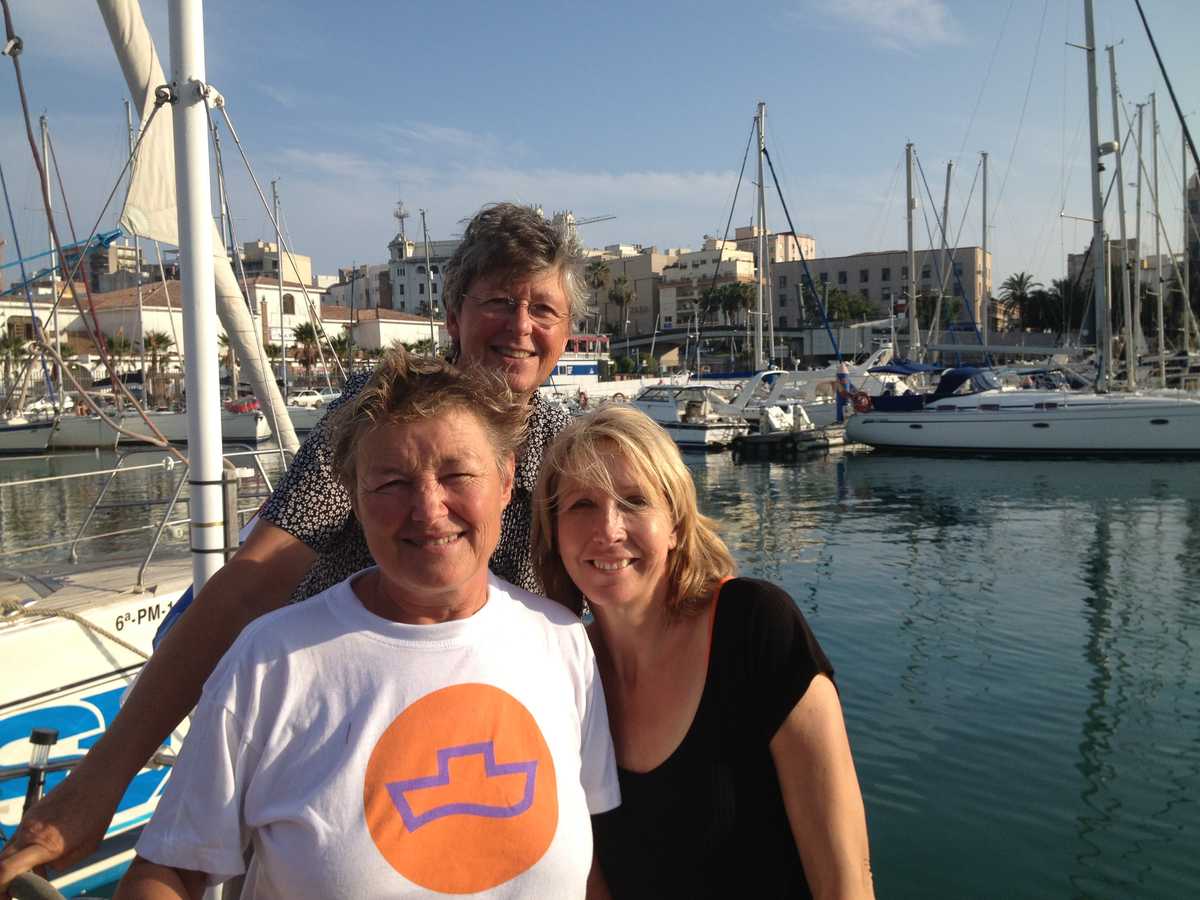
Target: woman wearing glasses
x,y
512,290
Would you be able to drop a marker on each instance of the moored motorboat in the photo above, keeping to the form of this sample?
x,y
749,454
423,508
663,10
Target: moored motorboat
x,y
25,434
688,414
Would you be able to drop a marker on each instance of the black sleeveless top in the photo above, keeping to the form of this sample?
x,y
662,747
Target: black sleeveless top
x,y
710,821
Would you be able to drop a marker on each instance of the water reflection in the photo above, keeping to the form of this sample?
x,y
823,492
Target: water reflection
x,y
1016,643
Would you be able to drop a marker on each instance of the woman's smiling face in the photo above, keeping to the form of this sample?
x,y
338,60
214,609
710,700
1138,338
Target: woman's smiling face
x,y
616,548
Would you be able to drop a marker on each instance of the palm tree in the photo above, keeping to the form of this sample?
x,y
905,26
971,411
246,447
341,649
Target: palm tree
x,y
305,337
596,275
154,343
739,295
1065,305
1015,292
711,302
13,349
621,293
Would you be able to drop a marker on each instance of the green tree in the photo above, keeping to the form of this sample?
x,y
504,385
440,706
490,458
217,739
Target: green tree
x,y
711,302
737,295
842,306
13,349
621,293
423,347
155,343
305,338
596,276
1014,295
1065,305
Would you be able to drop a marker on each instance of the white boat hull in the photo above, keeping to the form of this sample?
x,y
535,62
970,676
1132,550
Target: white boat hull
x,y
1037,422
87,432
703,436
22,435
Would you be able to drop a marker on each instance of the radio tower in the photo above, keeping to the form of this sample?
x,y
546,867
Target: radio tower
x,y
400,214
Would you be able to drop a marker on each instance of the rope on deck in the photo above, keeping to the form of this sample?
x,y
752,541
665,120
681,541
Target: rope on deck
x,y
13,609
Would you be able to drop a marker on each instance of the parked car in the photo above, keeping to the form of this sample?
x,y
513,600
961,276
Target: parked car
x,y
313,398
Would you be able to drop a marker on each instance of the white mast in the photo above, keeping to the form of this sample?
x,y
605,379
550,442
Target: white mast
x,y
433,341
914,336
199,292
283,346
1162,340
53,253
137,255
1188,321
983,288
1126,304
1099,265
1138,338
762,240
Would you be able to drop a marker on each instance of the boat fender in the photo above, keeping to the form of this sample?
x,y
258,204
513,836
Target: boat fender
x,y
861,401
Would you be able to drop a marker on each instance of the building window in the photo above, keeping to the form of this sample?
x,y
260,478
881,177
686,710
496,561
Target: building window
x,y
420,270
824,276
421,288
433,269
667,322
887,293
289,305
400,289
864,275
783,322
904,272
925,273
842,277
435,287
886,275
783,282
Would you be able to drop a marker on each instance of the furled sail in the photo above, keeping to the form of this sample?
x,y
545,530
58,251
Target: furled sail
x,y
150,208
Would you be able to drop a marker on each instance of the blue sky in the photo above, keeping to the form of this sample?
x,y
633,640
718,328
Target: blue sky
x,y
640,111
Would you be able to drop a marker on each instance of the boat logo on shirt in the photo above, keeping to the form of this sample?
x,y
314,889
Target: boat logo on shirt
x,y
460,792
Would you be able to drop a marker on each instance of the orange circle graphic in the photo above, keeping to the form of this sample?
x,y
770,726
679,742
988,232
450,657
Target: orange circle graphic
x,y
460,793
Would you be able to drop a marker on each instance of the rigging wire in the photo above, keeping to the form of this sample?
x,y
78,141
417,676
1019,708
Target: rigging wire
x,y
1024,107
37,325
881,224
315,318
15,46
986,77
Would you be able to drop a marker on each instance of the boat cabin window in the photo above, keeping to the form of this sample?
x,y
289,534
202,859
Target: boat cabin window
x,y
657,395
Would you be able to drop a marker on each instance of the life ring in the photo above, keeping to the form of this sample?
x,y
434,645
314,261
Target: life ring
x,y
861,401
618,397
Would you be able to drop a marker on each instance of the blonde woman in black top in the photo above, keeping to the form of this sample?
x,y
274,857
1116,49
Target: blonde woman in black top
x,y
735,768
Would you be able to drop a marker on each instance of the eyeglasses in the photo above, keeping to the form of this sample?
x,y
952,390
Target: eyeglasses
x,y
544,315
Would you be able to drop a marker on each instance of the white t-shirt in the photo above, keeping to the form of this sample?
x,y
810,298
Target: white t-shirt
x,y
360,757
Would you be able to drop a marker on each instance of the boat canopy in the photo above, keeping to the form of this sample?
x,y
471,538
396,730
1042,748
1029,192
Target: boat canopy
x,y
903,367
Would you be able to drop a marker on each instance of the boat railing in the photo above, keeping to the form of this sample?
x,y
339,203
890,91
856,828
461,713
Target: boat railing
x,y
235,512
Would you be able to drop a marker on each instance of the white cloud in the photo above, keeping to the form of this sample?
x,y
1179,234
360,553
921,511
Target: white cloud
x,y
898,24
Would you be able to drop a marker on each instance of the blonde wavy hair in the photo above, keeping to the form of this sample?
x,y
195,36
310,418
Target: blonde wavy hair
x,y
582,453
409,388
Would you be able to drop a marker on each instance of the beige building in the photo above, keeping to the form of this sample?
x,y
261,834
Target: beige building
x,y
881,277
694,272
262,259
642,268
782,246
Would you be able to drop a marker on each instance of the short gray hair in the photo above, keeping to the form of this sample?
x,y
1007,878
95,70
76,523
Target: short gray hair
x,y
516,242
409,388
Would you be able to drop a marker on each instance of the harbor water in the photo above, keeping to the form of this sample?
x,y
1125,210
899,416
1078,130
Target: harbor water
x,y
1017,646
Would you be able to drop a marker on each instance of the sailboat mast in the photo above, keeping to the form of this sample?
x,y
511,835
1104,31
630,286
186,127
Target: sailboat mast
x,y
188,82
433,341
1158,267
1138,338
985,294
1099,263
1126,303
1189,321
762,240
137,255
283,341
53,250
914,337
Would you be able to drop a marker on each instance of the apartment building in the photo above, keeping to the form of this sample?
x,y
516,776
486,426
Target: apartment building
x,y
882,276
685,280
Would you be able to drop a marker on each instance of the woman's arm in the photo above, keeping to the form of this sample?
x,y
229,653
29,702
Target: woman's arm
x,y
144,880
70,821
821,795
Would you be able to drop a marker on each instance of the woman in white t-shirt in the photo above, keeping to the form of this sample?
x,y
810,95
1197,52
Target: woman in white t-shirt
x,y
422,728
